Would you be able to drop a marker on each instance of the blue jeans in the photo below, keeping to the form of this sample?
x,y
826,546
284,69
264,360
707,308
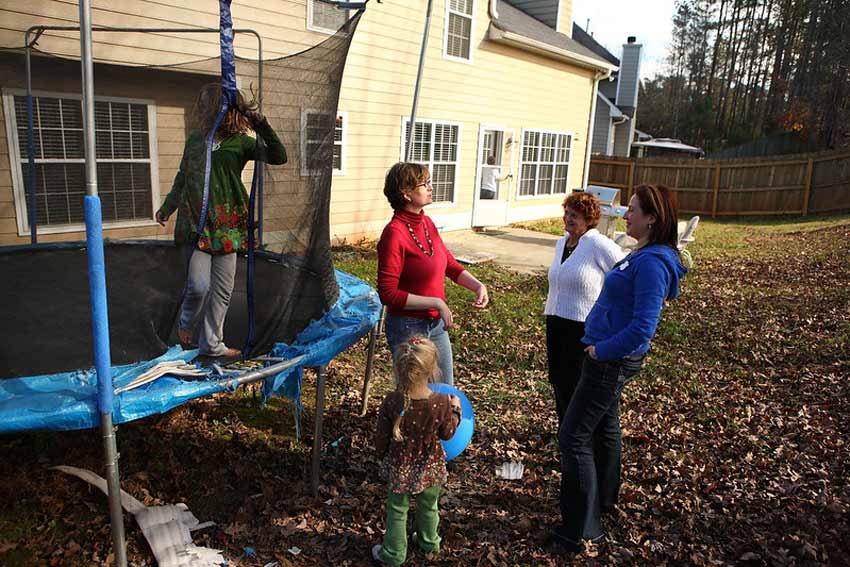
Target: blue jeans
x,y
399,328
591,445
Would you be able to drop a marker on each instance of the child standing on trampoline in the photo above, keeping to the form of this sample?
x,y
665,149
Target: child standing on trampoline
x,y
411,422
212,253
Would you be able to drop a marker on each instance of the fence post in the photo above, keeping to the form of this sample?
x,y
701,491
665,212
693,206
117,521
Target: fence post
x,y
716,189
808,192
630,182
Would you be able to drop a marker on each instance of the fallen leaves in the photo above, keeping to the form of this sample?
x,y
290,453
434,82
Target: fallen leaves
x,y
735,445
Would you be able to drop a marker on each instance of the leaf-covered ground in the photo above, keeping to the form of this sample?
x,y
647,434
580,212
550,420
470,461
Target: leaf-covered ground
x,y
735,435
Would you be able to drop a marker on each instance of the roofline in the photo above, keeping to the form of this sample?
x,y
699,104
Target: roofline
x,y
612,107
522,42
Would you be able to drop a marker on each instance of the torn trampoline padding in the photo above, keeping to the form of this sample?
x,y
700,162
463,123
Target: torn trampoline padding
x,y
167,529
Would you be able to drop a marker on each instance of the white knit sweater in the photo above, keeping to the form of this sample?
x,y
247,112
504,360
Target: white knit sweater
x,y
575,285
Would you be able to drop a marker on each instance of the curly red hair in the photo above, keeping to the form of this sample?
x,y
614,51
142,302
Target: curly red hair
x,y
587,205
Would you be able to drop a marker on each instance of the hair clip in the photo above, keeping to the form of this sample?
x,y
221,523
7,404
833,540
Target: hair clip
x,y
401,414
416,340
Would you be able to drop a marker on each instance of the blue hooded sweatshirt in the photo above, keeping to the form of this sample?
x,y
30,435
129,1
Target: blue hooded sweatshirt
x,y
624,318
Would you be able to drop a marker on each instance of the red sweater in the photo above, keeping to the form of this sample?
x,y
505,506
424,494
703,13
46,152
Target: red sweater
x,y
404,269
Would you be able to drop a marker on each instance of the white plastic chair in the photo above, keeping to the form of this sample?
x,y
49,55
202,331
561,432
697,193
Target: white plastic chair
x,y
686,236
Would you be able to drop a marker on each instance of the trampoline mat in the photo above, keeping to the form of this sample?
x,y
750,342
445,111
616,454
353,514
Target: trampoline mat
x,y
47,324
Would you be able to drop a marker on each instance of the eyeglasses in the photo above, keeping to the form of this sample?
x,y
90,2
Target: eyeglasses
x,y
423,184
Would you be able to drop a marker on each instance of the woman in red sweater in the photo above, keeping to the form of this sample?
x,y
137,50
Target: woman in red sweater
x,y
413,263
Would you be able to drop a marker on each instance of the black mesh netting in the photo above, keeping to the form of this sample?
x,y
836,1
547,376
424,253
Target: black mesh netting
x,y
47,325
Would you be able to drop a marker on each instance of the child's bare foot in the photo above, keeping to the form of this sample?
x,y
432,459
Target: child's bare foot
x,y
185,338
230,353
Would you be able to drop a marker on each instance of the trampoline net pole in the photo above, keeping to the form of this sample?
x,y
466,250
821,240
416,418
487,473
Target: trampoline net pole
x,y
411,135
97,284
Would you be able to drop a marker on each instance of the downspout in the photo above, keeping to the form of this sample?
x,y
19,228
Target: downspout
x,y
598,76
493,9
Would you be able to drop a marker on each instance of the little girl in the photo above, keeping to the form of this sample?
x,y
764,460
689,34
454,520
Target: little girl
x,y
411,422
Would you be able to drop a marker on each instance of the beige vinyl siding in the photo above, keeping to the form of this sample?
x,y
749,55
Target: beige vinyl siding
x,y
282,25
504,86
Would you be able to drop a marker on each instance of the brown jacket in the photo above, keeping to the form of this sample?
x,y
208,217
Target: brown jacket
x,y
417,461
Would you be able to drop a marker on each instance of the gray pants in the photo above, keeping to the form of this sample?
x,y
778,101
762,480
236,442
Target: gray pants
x,y
208,291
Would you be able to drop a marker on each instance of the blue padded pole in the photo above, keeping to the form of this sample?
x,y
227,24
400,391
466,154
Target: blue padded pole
x,y
255,183
202,217
99,311
228,64
97,291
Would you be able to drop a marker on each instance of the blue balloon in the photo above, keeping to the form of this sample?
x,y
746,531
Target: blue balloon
x,y
455,446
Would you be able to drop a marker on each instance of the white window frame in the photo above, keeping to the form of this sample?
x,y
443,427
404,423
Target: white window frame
x,y
555,163
446,55
430,163
18,166
343,143
318,29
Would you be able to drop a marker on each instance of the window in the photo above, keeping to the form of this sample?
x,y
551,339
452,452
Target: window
x,y
435,145
124,138
316,127
325,17
457,41
545,163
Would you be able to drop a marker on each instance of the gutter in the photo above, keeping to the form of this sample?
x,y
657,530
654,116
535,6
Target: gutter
x,y
494,33
493,9
598,76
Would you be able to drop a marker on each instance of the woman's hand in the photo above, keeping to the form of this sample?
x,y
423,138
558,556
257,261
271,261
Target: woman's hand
x,y
160,218
445,313
481,297
591,351
470,282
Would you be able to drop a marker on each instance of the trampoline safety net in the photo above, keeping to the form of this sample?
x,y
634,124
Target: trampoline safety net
x,y
47,325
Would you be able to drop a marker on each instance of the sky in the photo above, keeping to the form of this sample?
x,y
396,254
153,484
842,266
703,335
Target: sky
x,y
612,21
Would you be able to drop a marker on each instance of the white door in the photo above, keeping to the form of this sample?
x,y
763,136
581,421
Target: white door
x,y
492,184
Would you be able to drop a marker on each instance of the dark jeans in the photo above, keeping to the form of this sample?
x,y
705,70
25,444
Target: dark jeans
x,y
565,354
591,445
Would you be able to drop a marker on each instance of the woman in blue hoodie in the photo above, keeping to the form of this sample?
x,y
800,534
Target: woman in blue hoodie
x,y
618,330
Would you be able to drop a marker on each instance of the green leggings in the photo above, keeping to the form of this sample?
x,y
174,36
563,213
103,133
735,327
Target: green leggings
x,y
394,548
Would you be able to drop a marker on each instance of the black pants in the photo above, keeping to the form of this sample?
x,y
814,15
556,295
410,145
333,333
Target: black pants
x,y
591,445
565,354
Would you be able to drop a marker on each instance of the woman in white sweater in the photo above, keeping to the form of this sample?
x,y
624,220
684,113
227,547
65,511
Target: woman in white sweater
x,y
582,257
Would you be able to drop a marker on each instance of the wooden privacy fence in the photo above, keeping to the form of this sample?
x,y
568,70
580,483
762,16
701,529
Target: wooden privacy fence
x,y
777,185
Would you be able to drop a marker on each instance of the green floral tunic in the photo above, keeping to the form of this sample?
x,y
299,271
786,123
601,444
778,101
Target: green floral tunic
x,y
226,228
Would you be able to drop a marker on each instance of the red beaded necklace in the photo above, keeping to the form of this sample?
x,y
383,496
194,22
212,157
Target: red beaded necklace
x,y
416,240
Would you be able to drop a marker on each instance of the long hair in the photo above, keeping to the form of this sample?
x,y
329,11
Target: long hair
x,y
208,105
658,200
414,362
401,178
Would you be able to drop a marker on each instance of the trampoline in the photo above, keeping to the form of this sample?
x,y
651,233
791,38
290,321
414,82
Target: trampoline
x,y
290,309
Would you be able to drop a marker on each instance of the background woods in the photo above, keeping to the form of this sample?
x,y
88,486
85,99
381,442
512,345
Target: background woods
x,y
744,70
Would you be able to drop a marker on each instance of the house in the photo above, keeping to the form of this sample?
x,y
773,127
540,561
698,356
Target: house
x,y
504,81
617,99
